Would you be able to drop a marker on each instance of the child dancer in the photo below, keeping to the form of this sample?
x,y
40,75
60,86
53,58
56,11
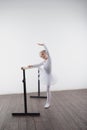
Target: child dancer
x,y
46,71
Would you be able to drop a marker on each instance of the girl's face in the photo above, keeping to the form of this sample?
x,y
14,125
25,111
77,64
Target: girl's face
x,y
43,55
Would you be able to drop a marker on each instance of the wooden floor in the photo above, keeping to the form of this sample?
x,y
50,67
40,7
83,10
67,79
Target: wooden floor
x,y
67,112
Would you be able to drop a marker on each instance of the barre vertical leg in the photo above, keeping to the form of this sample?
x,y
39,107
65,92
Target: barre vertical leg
x,y
38,96
25,101
38,82
25,97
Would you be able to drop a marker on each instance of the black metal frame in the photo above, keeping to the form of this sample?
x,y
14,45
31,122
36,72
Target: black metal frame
x,y
39,95
25,101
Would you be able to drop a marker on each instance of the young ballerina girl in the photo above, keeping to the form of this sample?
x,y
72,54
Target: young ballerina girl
x,y
46,64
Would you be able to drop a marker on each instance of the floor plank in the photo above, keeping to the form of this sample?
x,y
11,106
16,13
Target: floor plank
x,y
68,111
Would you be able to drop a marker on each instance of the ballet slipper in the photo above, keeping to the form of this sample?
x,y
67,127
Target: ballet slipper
x,y
47,105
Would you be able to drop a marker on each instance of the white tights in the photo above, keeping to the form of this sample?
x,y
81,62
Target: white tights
x,y
48,94
48,101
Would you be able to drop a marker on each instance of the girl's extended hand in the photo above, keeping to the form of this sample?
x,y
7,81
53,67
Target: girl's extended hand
x,y
27,67
30,66
23,68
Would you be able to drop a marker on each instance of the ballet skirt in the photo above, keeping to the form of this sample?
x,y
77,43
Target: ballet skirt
x,y
46,79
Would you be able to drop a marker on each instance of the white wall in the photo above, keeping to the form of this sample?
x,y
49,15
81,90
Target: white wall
x,y
62,25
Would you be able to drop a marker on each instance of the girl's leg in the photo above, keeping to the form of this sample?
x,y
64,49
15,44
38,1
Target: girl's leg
x,y
47,105
48,94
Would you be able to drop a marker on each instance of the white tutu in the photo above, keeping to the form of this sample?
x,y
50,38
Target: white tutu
x,y
47,79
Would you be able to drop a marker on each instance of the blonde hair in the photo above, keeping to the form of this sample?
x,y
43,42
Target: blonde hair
x,y
43,51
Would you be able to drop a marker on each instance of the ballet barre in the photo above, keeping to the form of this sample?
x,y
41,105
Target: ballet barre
x,y
25,113
39,94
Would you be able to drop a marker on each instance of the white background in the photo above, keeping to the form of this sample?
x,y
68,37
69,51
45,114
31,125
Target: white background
x,y
61,24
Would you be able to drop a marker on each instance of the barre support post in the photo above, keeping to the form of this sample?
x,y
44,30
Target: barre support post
x,y
25,101
38,96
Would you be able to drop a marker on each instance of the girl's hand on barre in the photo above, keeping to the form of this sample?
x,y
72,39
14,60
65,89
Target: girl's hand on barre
x,y
24,68
30,66
40,44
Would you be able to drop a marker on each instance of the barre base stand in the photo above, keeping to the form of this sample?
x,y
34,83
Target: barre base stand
x,y
38,96
25,101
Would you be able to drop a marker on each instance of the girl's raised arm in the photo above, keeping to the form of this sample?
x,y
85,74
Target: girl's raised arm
x,y
44,47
